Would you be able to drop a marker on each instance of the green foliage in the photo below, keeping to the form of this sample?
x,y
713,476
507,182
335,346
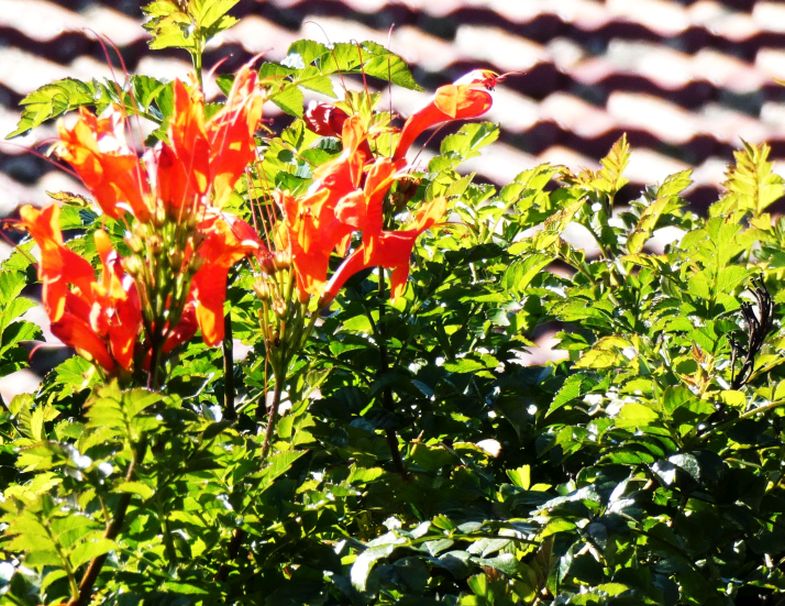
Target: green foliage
x,y
142,96
309,65
52,100
186,24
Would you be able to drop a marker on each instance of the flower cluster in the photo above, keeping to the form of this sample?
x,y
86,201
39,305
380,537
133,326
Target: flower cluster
x,y
347,194
182,244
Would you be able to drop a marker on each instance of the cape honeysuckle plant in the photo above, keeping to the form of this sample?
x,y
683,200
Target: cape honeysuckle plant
x,y
384,438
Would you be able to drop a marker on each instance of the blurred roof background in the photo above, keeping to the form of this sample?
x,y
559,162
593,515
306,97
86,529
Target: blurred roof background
x,y
686,80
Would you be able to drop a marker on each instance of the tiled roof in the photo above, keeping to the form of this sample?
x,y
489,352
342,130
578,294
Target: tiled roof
x,y
685,79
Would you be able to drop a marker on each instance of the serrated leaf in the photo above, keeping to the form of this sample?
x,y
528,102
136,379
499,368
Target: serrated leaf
x,y
89,548
188,26
521,272
610,178
554,226
633,415
290,99
371,59
52,100
135,487
666,200
751,183
520,476
277,465
573,387
605,353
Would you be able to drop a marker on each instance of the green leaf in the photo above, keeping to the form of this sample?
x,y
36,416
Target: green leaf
x,y
371,59
605,353
377,549
751,184
88,548
463,145
575,386
309,64
189,26
277,465
52,100
634,416
666,200
135,487
521,272
610,178
554,225
521,476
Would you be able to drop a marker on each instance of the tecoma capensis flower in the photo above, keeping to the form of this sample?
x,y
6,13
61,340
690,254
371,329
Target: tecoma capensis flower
x,y
391,250
170,197
226,241
347,194
101,318
208,155
96,148
199,163
314,229
467,97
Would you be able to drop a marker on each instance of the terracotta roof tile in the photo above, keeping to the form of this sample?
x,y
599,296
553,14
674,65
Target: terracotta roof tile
x,y
514,111
730,126
665,120
258,35
685,78
119,28
665,18
483,44
770,16
771,62
565,156
431,53
576,115
647,166
23,71
726,71
50,20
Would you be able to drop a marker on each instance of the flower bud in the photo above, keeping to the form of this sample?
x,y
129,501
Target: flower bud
x,y
282,259
135,243
262,290
155,244
175,259
133,265
279,307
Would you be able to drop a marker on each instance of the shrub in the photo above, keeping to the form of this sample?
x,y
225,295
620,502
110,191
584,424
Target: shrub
x,y
385,439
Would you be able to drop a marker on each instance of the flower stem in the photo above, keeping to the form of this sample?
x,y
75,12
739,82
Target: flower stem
x,y
228,362
272,416
387,397
112,530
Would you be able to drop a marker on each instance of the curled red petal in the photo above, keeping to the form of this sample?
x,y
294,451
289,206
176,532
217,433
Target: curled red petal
x,y
96,149
467,97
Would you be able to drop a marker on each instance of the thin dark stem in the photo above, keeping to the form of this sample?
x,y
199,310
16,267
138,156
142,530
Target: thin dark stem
x,y
387,397
112,530
238,537
228,359
272,416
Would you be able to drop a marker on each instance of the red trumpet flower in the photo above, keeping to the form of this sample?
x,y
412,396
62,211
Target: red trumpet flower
x,y
392,250
203,156
101,319
226,241
97,150
468,97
